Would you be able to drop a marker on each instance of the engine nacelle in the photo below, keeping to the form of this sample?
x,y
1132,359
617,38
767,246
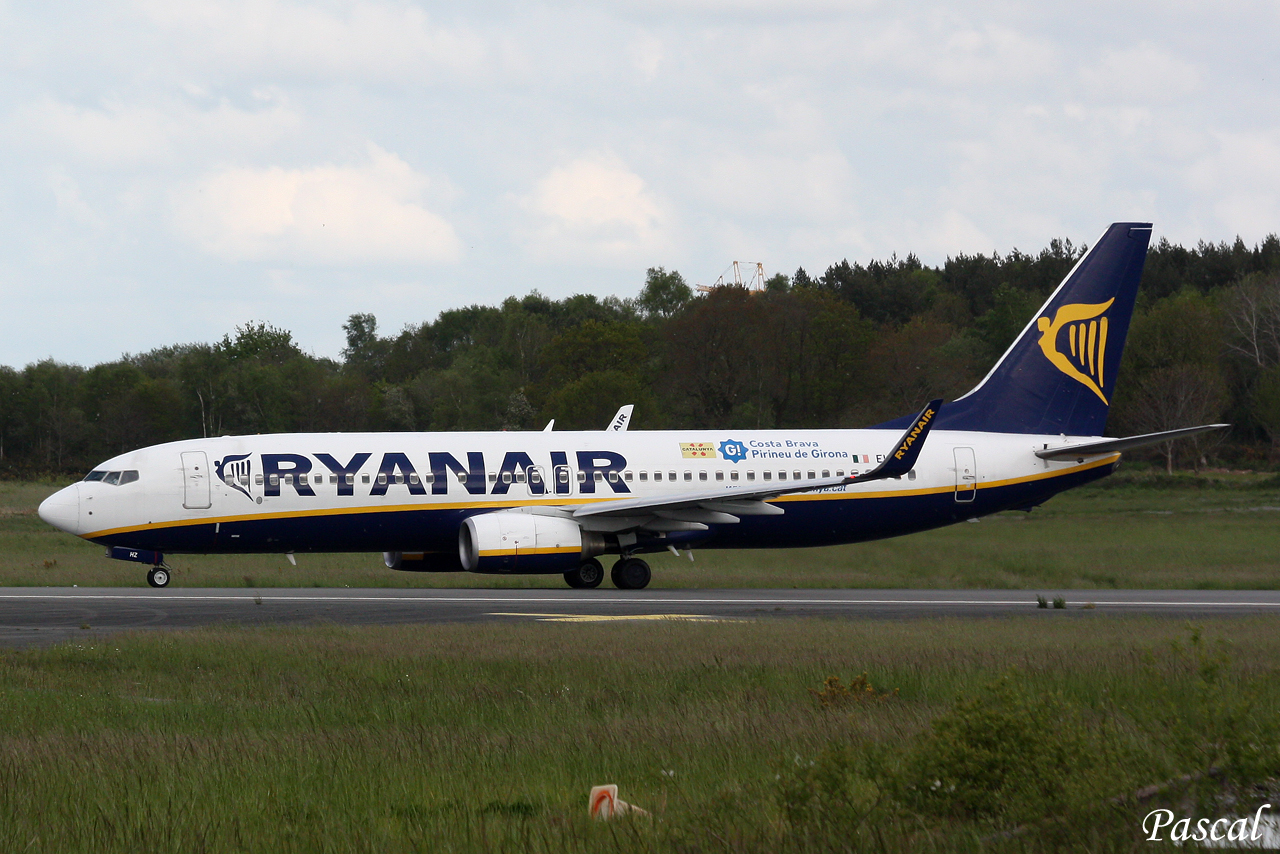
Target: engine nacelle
x,y
507,541
422,561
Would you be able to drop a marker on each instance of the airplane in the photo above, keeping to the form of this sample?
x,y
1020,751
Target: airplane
x,y
544,502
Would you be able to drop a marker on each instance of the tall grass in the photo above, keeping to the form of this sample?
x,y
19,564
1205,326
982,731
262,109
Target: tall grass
x,y
488,736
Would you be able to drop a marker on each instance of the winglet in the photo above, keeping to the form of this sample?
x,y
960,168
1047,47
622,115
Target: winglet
x,y
621,419
903,457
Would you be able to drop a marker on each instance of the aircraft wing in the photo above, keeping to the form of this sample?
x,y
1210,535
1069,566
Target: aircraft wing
x,y
693,511
1110,446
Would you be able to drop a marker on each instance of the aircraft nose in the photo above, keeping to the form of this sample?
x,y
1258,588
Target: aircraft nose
x,y
62,509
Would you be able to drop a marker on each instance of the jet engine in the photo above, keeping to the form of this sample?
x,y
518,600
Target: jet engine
x,y
525,543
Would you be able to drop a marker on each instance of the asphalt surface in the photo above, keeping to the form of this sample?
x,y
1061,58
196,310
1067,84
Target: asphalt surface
x,y
40,616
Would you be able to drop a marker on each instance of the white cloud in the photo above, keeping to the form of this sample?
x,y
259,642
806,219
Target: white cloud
x,y
369,213
596,208
1242,175
390,41
144,133
1144,72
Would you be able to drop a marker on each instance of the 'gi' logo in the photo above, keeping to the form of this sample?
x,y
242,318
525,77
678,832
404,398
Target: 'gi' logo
x,y
234,472
733,450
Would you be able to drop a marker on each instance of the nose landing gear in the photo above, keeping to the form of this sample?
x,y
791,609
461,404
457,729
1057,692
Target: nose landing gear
x,y
158,576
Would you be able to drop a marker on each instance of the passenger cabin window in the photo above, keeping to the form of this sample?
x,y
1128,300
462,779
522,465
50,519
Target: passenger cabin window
x,y
733,475
911,475
599,478
719,475
644,476
657,475
257,479
582,477
768,475
839,472
811,475
506,477
399,478
351,479
493,477
751,475
688,475
826,473
519,477
671,476
413,478
382,479
795,475
364,478
782,475
275,479
626,476
702,475
613,477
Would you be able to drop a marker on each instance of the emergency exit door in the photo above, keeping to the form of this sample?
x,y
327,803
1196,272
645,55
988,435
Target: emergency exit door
x,y
966,474
195,475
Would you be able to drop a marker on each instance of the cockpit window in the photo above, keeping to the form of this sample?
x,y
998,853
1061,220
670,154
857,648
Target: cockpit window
x,y
114,478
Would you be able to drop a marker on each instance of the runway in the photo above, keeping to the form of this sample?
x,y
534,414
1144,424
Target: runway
x,y
40,616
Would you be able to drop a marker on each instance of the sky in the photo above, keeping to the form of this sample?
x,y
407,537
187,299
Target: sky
x,y
172,169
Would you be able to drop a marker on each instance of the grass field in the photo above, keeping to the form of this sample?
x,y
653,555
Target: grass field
x,y
488,737
1136,530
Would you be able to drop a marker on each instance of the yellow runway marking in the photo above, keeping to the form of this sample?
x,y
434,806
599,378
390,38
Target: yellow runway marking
x,y
601,618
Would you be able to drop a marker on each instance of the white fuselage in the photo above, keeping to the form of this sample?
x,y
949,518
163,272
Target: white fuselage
x,y
393,492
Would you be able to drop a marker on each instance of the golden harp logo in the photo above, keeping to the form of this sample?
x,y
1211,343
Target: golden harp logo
x,y
1086,328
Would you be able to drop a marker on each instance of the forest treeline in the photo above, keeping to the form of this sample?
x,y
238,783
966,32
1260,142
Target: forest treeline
x,y
851,347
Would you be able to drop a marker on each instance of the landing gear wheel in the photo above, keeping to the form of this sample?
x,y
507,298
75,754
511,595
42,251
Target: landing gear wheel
x,y
589,574
158,577
631,574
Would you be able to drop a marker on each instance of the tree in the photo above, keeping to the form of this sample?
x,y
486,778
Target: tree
x,y
663,294
1180,395
365,351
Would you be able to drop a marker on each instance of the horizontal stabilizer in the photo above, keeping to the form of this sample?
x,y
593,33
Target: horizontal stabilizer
x,y
1111,446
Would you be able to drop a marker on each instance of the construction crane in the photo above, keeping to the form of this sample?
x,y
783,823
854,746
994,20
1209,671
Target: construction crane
x,y
753,284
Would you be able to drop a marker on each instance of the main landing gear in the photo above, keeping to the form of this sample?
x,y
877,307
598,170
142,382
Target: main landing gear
x,y
589,574
158,576
630,573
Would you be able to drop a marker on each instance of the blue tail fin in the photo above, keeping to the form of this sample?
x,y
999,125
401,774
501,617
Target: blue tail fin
x,y
1058,375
